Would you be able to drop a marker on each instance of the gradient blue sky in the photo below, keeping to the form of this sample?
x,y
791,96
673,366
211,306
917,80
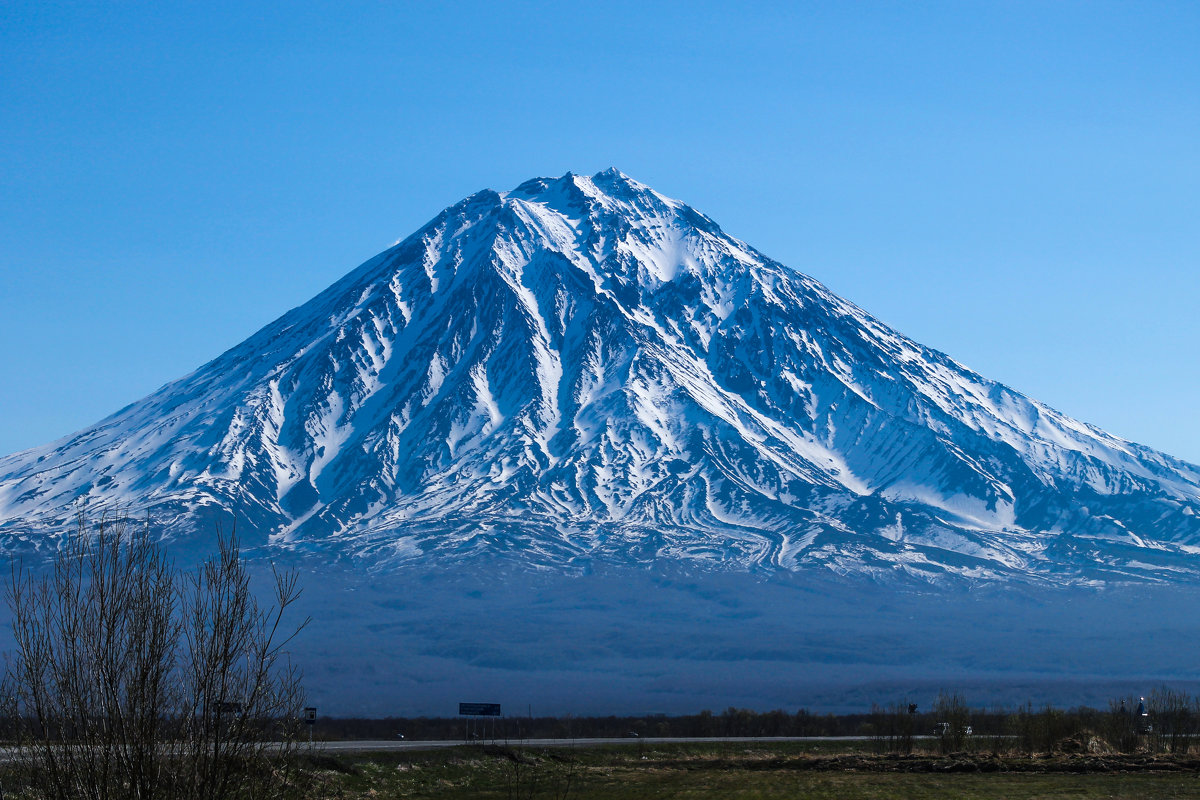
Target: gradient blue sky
x,y
1015,184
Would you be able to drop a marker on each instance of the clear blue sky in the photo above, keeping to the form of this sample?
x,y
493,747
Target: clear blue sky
x,y
1015,184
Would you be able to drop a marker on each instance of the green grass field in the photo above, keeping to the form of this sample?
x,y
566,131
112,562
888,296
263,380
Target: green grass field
x,y
729,771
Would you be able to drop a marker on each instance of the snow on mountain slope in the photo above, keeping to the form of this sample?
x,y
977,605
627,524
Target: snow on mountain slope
x,y
584,371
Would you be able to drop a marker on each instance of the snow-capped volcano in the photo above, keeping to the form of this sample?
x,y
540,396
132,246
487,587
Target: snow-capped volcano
x,y
582,371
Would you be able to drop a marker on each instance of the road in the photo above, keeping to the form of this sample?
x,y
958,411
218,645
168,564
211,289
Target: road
x,y
399,745
9,754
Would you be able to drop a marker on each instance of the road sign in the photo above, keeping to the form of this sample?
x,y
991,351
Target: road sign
x,y
310,715
479,709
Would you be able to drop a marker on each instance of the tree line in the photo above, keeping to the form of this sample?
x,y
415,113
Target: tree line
x,y
1170,722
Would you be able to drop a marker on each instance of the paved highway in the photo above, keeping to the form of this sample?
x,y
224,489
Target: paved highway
x,y
8,754
397,745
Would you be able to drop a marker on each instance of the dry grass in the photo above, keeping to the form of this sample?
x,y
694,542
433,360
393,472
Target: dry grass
x,y
753,773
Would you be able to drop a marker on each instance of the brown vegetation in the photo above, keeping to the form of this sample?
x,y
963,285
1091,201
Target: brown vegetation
x,y
132,679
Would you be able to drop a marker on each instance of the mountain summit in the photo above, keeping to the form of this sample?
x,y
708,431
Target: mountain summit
x,y
582,371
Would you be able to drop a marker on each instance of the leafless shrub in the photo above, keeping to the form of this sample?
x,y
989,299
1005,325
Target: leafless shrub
x,y
892,728
1173,719
953,721
131,679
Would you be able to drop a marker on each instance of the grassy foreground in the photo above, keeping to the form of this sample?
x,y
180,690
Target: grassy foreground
x,y
737,771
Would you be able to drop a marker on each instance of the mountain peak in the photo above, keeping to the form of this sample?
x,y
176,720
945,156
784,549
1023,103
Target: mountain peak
x,y
611,183
614,177
583,370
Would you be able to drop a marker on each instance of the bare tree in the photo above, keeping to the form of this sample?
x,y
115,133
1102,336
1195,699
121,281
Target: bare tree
x,y
95,644
1174,721
133,680
243,694
953,721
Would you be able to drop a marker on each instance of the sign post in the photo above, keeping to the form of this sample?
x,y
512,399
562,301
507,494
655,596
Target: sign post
x,y
227,707
472,710
310,719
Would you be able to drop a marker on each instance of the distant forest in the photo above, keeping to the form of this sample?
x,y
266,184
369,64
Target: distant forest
x,y
1164,721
